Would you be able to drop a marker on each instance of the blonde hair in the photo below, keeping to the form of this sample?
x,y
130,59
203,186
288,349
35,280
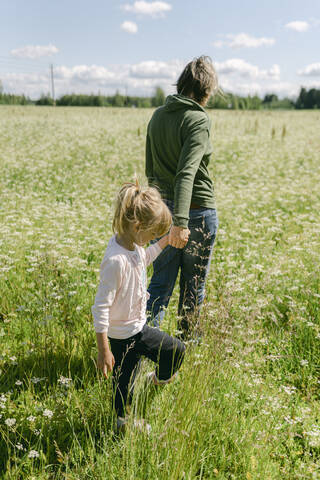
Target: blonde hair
x,y
141,207
198,79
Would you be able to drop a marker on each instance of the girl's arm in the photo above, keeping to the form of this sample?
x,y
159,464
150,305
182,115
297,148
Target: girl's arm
x,y
110,280
105,359
155,249
163,242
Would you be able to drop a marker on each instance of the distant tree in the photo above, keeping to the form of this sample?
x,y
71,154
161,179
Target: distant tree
x,y
242,103
220,100
11,99
301,100
1,87
254,103
308,99
269,98
312,98
317,98
234,102
118,100
159,97
45,100
144,103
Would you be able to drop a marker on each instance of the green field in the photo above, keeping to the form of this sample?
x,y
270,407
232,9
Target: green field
x,y
246,403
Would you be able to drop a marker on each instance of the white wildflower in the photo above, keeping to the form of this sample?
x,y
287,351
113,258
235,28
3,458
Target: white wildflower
x,y
10,422
33,454
47,413
288,389
37,379
64,381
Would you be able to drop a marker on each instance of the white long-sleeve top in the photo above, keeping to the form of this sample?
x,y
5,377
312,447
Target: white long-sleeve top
x,y
120,304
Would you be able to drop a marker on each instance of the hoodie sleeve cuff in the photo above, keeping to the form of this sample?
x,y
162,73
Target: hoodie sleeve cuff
x,y
180,222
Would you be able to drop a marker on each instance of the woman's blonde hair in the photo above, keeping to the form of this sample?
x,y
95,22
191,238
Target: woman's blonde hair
x,y
198,79
141,207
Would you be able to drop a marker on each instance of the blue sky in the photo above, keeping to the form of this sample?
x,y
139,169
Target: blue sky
x,y
133,46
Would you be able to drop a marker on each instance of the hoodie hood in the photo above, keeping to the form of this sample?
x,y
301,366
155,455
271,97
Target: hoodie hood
x,y
178,102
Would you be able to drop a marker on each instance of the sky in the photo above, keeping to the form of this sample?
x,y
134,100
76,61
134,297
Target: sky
x,y
132,46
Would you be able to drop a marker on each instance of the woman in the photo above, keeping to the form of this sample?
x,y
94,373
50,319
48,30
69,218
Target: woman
x,y
178,150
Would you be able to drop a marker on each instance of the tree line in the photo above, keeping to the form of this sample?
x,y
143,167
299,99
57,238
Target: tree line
x,y
307,99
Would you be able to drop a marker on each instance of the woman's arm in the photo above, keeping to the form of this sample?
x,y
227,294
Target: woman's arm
x,y
149,161
193,150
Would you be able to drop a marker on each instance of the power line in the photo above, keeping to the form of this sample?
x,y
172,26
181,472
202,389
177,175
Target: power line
x,y
23,59
19,64
23,70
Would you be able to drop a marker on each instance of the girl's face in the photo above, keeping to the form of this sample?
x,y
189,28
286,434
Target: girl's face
x,y
141,237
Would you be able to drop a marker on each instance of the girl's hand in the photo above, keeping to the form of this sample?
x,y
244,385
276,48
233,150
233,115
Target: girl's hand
x,y
105,362
178,236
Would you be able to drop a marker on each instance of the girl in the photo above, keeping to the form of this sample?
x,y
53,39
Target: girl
x,y
178,151
120,303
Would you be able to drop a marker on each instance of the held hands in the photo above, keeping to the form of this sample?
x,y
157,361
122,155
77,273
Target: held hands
x,y
105,362
178,236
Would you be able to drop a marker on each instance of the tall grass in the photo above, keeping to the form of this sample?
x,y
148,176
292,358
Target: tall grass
x,y
246,402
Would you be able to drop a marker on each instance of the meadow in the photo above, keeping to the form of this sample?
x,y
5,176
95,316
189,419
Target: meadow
x,y
246,403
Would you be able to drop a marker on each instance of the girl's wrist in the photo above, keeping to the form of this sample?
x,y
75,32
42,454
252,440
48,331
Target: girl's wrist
x,y
164,241
102,343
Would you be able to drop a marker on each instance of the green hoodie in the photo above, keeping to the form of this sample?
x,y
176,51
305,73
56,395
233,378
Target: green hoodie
x,y
178,151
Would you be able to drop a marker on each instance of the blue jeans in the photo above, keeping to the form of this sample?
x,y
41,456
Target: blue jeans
x,y
193,261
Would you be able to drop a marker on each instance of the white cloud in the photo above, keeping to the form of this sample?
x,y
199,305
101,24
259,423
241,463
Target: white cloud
x,y
153,9
238,76
243,40
239,67
153,69
86,73
32,85
129,27
298,26
135,79
274,71
235,75
219,44
312,70
34,51
282,89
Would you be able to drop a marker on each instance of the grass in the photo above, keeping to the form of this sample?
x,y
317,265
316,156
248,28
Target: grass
x,y
246,403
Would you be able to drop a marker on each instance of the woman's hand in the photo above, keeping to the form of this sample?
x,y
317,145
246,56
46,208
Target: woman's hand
x,y
178,236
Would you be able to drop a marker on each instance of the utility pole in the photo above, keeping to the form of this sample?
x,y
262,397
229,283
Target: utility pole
x,y
52,86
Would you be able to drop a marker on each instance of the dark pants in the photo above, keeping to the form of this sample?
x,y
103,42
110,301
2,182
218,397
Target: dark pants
x,y
166,351
193,262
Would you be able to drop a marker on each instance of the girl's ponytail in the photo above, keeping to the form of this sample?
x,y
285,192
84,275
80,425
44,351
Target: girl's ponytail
x,y
141,207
